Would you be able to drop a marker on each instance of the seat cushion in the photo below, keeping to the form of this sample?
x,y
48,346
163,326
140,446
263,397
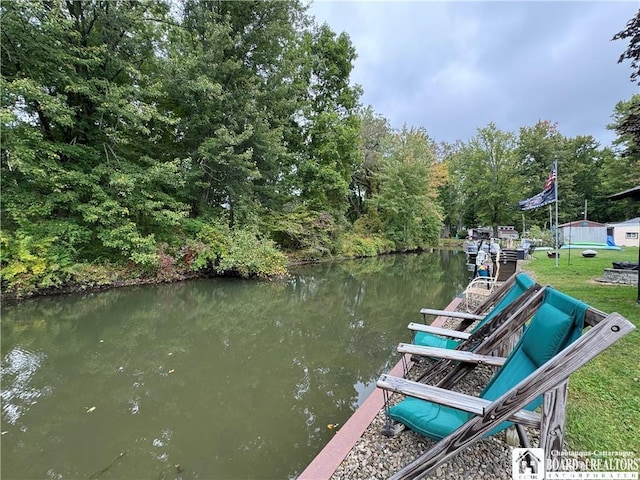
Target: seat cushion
x,y
425,339
514,371
429,419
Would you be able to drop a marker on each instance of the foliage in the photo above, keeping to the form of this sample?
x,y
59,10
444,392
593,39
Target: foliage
x,y
354,245
332,127
247,255
541,237
623,172
312,235
29,263
631,32
484,170
375,144
627,117
77,94
160,138
406,203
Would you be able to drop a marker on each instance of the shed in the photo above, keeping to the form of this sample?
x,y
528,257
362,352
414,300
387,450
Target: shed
x,y
583,231
481,233
507,232
625,233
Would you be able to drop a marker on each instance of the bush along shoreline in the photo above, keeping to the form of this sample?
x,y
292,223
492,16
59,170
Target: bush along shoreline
x,y
31,269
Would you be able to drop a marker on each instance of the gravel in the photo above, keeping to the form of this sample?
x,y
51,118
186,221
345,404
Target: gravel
x,y
375,456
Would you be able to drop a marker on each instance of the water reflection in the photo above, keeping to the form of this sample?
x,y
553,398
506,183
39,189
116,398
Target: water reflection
x,y
223,378
18,392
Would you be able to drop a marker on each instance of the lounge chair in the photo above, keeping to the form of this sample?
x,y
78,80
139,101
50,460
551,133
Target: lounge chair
x,y
479,289
513,295
497,336
551,348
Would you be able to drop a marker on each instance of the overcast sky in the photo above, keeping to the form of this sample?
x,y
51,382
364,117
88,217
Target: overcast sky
x,y
453,67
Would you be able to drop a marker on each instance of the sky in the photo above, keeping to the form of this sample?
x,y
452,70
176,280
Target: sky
x,y
453,67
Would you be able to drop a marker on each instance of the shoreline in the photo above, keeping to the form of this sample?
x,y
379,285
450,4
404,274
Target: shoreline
x,y
334,453
94,286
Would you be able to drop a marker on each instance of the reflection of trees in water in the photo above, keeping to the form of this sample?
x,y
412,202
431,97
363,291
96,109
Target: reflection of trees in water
x,y
238,348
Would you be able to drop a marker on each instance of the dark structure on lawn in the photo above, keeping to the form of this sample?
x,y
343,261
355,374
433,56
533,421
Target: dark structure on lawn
x,y
634,194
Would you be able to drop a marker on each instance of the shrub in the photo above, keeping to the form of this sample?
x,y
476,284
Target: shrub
x,y
356,245
247,255
311,235
29,263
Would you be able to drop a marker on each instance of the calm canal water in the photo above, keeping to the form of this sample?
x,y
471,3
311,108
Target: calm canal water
x,y
206,379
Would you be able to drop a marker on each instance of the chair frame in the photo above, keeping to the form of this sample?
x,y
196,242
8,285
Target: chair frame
x,y
482,287
550,380
494,336
480,312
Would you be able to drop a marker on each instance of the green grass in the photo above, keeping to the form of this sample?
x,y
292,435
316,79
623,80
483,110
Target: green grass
x,y
603,413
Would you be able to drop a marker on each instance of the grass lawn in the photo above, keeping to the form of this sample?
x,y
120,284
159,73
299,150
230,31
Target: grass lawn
x,y
603,413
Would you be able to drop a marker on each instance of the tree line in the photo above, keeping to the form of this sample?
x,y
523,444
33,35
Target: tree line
x,y
168,138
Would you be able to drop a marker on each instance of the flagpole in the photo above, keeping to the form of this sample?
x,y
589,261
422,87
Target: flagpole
x,y
555,183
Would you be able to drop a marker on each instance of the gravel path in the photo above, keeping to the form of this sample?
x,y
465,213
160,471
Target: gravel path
x,y
376,456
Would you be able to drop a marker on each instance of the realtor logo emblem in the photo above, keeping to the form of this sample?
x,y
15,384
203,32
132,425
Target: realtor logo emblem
x,y
527,463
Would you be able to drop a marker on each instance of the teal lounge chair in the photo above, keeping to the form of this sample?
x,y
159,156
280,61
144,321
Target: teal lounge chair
x,y
521,288
550,349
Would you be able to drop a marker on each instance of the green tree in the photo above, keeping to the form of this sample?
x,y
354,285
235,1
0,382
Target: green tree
x,y
452,194
375,139
78,95
621,167
627,115
233,83
406,201
487,164
631,32
578,180
627,145
331,125
537,149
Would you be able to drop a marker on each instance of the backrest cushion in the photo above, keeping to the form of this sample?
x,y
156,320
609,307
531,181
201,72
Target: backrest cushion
x,y
521,285
546,334
556,324
524,281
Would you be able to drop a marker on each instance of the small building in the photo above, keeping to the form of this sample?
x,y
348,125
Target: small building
x,y
480,233
625,234
507,232
583,231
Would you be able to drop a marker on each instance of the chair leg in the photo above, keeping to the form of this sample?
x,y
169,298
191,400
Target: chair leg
x,y
522,435
553,418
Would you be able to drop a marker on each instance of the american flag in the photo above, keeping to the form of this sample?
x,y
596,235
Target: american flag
x,y
551,179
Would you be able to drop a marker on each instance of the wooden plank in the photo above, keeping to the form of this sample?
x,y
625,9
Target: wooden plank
x,y
447,313
593,316
545,378
460,401
445,332
489,337
506,328
553,419
456,355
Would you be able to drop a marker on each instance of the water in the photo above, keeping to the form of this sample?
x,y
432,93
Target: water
x,y
206,379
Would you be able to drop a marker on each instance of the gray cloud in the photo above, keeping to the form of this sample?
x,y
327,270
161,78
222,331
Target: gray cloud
x,y
453,67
